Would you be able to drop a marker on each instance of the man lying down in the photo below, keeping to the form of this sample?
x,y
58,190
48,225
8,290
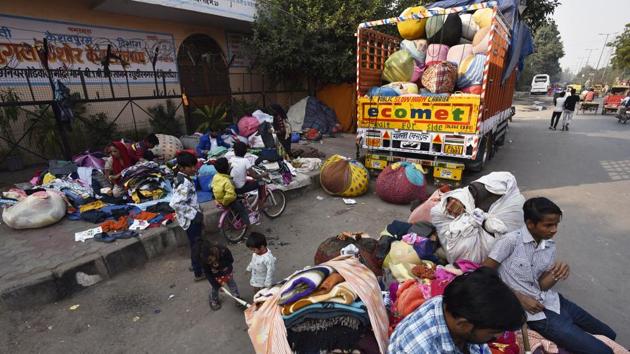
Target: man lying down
x,y
468,220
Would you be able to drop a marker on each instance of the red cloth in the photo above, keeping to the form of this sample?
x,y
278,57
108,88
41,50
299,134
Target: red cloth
x,y
505,344
124,161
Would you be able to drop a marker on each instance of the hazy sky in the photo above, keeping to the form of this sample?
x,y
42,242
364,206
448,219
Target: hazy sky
x,y
580,22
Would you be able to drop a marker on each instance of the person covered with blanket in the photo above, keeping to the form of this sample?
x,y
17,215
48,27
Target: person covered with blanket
x,y
187,209
216,261
476,308
469,219
526,260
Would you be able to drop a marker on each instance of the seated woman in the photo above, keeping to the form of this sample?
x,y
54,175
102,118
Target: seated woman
x,y
117,161
468,219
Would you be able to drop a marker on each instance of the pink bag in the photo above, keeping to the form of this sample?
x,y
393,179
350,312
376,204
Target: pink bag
x,y
436,53
423,212
247,126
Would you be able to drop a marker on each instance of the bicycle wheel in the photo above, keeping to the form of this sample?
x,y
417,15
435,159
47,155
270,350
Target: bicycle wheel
x,y
275,204
233,228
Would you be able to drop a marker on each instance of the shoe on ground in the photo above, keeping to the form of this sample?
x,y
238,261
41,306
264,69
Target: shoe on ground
x,y
215,305
550,128
200,277
567,129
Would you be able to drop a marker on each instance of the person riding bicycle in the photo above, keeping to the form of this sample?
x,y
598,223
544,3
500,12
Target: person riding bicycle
x,y
225,192
241,169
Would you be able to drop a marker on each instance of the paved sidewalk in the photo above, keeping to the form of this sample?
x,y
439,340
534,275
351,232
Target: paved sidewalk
x,y
40,266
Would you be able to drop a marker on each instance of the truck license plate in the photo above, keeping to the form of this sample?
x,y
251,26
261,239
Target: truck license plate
x,y
373,142
446,173
454,149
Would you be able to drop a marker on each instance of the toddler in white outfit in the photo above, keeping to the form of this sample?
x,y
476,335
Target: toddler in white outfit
x,y
263,263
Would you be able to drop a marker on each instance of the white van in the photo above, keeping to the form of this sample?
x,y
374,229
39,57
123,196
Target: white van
x,y
540,84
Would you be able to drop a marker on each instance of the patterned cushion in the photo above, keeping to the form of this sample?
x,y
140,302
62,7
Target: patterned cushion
x,y
168,147
343,177
440,77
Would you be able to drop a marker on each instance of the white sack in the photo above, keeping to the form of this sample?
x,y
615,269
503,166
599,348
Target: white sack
x,y
37,210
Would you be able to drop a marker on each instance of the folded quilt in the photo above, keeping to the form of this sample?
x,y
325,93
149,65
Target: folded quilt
x,y
340,293
303,283
325,310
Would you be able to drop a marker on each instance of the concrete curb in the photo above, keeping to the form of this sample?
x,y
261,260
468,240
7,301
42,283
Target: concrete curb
x,y
63,281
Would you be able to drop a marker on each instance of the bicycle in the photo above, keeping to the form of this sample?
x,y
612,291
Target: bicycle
x,y
273,204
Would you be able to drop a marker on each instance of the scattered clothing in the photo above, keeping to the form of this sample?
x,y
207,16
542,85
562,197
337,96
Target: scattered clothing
x,y
184,200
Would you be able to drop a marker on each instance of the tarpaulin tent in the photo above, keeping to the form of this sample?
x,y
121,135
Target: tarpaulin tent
x,y
341,98
311,113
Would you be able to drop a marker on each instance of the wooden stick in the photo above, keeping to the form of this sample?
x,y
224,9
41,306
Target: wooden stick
x,y
524,333
239,300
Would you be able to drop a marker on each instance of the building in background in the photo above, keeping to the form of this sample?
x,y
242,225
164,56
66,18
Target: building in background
x,y
169,48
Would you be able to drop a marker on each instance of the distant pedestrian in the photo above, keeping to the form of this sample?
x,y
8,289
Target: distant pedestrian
x,y
187,210
569,109
216,261
263,263
557,110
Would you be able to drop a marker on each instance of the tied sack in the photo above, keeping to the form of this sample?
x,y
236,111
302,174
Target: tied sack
x,y
39,209
399,67
440,77
343,177
401,183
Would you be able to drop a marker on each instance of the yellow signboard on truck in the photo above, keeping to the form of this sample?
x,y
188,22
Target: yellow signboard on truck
x,y
453,114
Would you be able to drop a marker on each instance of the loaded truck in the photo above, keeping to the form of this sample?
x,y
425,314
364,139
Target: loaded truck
x,y
448,134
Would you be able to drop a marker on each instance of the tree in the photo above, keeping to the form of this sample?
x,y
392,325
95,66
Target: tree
x,y
621,45
314,39
537,13
545,60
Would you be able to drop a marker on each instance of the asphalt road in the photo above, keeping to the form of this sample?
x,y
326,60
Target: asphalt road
x,y
158,308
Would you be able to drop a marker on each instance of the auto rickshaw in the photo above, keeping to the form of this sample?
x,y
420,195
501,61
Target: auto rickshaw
x,y
613,99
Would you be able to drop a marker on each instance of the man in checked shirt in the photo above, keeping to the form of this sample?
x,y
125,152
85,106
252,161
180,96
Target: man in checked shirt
x,y
526,261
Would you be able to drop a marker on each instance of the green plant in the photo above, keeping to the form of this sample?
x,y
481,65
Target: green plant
x,y
164,120
8,116
241,107
44,133
95,131
213,118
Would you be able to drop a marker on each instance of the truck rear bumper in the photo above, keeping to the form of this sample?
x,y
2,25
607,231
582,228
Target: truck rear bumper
x,y
442,169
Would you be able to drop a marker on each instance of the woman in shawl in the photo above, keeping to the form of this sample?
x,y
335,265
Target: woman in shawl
x,y
118,160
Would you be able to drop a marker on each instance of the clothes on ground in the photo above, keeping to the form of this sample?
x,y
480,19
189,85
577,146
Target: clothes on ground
x,y
425,331
240,165
223,189
184,200
207,143
262,269
92,206
522,263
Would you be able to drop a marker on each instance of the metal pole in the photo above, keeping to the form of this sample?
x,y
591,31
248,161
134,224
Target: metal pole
x,y
604,47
